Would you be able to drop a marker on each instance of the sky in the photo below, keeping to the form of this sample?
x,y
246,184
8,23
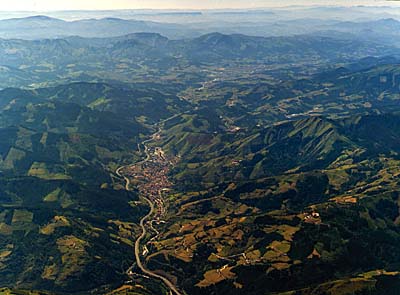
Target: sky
x,y
48,5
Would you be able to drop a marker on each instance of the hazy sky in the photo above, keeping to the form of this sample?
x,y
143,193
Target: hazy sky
x,y
41,5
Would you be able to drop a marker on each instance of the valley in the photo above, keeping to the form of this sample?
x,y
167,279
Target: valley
x,y
253,152
150,176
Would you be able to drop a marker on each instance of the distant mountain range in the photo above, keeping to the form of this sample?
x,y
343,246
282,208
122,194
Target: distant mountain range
x,y
40,26
262,23
26,62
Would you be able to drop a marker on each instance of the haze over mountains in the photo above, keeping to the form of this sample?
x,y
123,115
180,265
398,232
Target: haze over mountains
x,y
249,152
187,24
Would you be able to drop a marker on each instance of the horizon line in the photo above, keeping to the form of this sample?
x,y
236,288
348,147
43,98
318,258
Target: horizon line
x,y
395,3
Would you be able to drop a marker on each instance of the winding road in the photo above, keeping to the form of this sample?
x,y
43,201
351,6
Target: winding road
x,y
146,271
